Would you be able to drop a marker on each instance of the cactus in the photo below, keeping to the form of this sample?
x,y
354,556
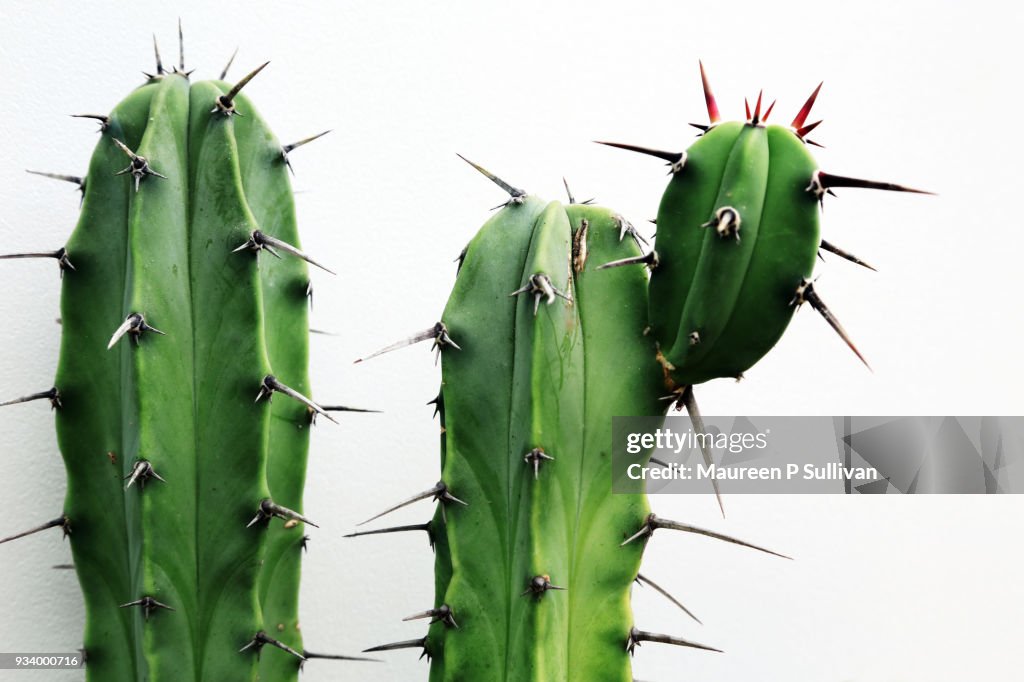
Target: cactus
x,y
534,559
737,240
174,473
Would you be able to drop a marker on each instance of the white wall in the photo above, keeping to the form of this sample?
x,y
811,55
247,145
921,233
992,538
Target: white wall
x,y
909,589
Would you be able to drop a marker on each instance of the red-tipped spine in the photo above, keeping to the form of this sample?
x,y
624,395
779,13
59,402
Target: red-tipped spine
x,y
709,98
805,110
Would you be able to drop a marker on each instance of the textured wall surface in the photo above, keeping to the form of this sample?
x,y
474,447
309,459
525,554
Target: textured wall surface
x,y
887,588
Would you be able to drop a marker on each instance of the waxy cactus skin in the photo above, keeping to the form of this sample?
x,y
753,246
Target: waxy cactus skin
x,y
540,349
177,459
535,557
720,301
738,236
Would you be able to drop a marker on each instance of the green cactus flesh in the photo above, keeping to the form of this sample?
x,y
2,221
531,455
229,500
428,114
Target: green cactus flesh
x,y
720,301
526,536
737,239
176,584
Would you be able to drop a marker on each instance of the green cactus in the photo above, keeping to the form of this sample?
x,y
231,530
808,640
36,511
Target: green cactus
x,y
174,473
737,240
534,558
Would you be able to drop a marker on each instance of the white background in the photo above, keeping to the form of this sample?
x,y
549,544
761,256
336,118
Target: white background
x,y
908,589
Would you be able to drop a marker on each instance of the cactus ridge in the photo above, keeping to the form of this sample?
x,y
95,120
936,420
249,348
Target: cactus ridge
x,y
174,474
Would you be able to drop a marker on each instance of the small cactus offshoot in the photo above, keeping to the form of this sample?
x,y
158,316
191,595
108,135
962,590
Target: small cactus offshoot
x,y
737,241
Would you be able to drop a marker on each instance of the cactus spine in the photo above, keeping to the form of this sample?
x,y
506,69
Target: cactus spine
x,y
174,473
